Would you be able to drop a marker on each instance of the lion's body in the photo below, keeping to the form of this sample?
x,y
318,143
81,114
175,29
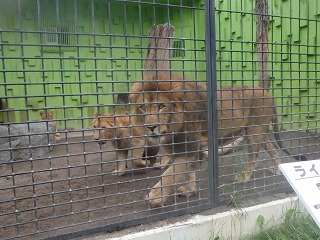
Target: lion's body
x,y
116,128
242,107
163,115
170,109
249,111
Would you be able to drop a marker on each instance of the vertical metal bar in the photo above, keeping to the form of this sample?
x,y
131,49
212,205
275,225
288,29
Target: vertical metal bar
x,y
213,164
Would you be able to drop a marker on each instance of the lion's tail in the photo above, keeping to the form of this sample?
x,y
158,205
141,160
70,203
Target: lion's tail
x,y
276,133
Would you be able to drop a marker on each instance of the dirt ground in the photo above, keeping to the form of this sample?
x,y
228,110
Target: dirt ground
x,y
72,189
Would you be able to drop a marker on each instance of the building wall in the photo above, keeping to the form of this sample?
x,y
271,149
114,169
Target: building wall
x,y
293,54
100,51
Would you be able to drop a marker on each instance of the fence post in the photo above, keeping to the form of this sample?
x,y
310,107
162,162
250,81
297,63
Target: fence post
x,y
213,162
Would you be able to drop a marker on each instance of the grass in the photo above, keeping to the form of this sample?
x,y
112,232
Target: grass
x,y
295,226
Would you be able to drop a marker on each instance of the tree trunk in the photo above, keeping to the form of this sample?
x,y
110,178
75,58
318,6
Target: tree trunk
x,y
160,45
262,27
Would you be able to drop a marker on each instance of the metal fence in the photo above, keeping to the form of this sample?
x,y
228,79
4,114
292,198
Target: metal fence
x,y
94,139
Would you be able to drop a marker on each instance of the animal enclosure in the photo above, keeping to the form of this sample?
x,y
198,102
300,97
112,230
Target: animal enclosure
x,y
94,138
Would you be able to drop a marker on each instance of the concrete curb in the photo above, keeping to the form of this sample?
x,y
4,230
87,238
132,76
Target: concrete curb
x,y
233,224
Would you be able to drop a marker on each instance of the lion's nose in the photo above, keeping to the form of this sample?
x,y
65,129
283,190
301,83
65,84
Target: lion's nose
x,y
152,127
101,142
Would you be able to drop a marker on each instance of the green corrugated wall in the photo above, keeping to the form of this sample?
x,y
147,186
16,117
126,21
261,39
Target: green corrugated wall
x,y
294,61
107,64
104,55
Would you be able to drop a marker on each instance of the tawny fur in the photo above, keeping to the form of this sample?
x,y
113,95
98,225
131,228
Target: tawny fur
x,y
170,109
163,115
116,128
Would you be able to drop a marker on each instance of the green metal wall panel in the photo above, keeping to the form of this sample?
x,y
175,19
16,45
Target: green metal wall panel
x,y
293,54
104,54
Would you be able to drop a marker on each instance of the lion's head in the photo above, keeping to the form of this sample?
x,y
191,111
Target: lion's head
x,y
110,127
165,103
46,115
102,127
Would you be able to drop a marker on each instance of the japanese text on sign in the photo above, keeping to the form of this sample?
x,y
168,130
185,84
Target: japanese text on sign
x,y
304,178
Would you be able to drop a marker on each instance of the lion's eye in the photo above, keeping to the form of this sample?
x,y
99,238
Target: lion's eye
x,y
161,106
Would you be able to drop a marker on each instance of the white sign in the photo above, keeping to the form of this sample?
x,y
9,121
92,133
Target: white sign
x,y
304,178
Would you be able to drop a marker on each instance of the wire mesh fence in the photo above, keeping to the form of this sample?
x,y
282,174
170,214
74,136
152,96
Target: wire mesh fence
x,y
110,110
67,70
270,44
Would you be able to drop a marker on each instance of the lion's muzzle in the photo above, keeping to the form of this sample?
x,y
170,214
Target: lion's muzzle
x,y
101,142
152,127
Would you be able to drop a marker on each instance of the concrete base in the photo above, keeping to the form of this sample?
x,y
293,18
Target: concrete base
x,y
227,225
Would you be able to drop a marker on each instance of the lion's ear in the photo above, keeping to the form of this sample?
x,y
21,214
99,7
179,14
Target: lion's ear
x,y
41,114
96,114
51,114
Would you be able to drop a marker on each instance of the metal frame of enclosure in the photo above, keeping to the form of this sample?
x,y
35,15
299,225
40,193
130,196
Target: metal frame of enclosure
x,y
70,133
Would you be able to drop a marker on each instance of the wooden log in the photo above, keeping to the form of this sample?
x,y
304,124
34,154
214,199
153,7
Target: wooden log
x,y
262,27
160,43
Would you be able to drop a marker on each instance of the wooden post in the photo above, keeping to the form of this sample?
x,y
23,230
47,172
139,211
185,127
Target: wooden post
x,y
262,27
160,45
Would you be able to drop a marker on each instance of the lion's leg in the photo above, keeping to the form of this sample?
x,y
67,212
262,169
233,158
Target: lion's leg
x,y
166,159
231,146
189,189
151,152
161,191
274,152
254,143
174,174
122,156
138,148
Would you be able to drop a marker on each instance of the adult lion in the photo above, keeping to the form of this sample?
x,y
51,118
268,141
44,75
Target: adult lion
x,y
249,111
116,128
173,111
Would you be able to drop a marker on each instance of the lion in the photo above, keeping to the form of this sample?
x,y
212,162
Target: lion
x,y
48,115
250,111
173,111
116,128
162,114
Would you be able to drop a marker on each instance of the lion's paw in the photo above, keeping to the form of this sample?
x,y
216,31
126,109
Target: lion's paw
x,y
155,201
118,172
159,165
142,163
183,191
243,177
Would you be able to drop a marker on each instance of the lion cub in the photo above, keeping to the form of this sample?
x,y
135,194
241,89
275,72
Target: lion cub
x,y
116,128
48,115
